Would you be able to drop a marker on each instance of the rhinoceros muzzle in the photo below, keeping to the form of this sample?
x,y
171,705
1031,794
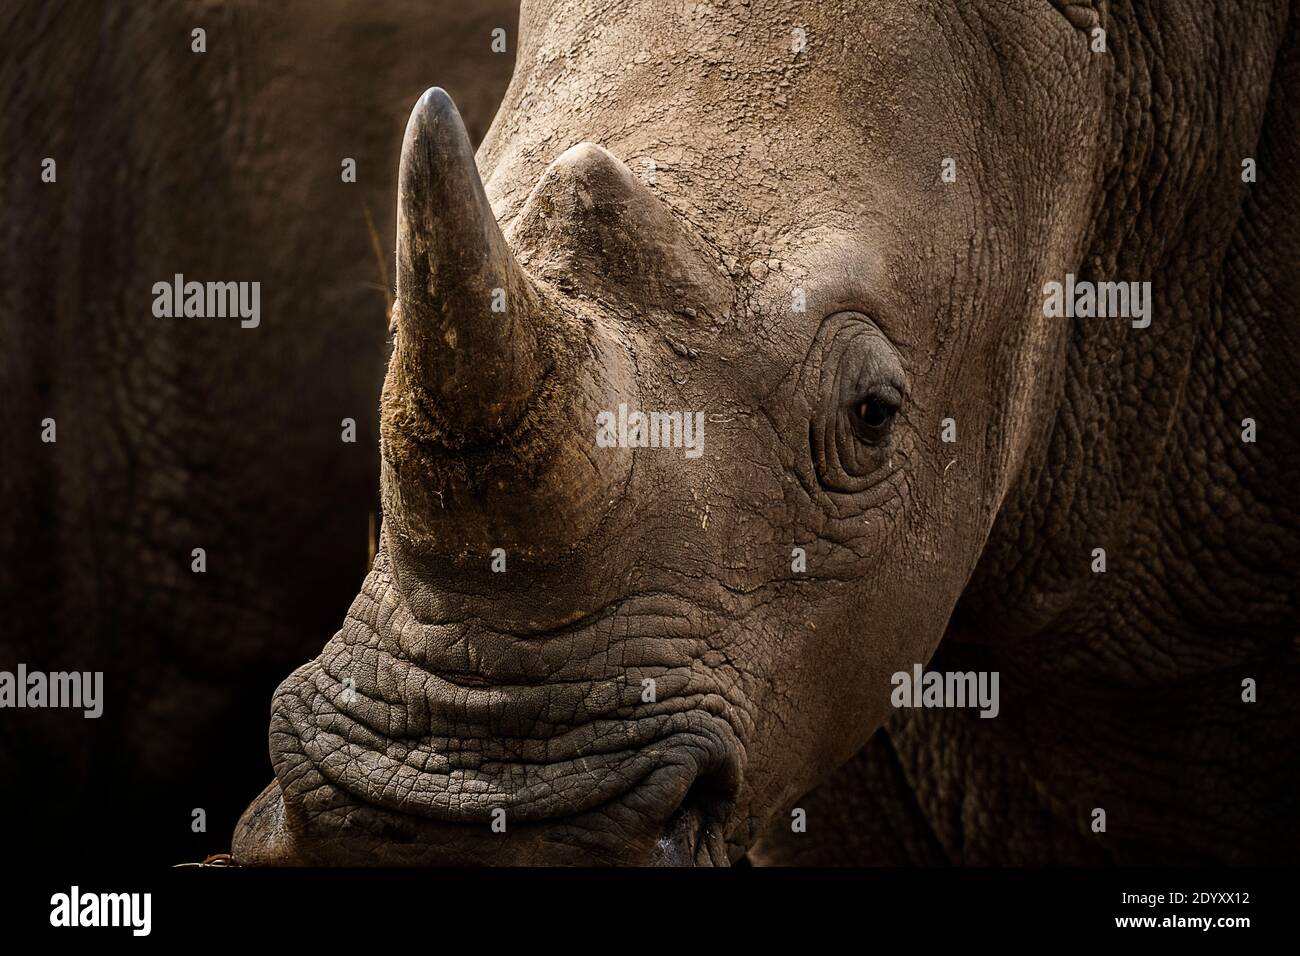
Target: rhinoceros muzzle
x,y
423,743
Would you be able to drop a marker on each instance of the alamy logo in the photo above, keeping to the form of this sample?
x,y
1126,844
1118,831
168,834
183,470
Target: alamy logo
x,y
951,689
209,300
634,429
1102,300
103,909
36,689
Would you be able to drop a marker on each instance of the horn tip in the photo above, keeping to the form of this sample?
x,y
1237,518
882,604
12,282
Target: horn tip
x,y
435,98
435,110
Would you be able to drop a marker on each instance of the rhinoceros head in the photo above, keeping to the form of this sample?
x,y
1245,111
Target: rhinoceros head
x,y
805,238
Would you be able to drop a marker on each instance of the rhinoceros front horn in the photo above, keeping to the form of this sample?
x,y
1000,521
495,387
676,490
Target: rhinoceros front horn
x,y
467,340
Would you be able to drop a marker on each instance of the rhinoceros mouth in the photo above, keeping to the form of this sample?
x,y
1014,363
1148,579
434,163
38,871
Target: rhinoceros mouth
x,y
418,732
667,796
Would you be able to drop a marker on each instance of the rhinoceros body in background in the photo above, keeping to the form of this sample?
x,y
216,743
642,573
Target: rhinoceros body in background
x,y
176,434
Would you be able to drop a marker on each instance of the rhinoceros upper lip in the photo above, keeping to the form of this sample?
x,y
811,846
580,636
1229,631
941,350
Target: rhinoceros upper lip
x,y
434,748
462,778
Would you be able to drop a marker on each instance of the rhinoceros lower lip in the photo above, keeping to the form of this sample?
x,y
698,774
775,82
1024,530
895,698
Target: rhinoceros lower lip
x,y
682,838
451,774
695,834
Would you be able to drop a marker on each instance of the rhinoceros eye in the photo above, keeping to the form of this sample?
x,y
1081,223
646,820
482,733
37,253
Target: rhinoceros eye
x,y
873,415
860,387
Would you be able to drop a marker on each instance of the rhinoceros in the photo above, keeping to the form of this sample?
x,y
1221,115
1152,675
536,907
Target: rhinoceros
x,y
835,231
222,157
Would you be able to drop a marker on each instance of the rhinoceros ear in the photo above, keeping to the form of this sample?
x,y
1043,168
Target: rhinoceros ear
x,y
469,340
591,218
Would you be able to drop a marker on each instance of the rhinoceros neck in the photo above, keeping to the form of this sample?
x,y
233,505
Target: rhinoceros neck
x,y
1169,453
1152,689
1137,593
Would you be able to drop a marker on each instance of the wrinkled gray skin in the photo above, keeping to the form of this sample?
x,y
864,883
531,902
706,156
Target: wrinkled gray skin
x,y
521,691
177,434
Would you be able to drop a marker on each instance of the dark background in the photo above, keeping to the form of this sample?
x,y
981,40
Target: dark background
x,y
176,434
